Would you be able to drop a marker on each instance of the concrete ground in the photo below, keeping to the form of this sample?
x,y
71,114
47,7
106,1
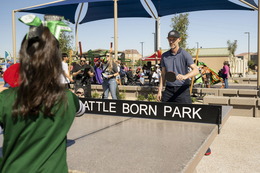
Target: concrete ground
x,y
235,149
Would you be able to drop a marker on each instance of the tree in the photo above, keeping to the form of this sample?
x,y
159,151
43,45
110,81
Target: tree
x,y
66,42
139,62
180,23
232,47
251,64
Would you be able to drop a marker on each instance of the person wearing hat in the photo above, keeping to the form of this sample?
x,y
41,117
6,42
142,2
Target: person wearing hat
x,y
179,61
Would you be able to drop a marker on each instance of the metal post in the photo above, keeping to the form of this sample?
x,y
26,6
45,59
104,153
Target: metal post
x,y
76,28
142,48
14,34
248,34
197,45
115,30
258,50
154,37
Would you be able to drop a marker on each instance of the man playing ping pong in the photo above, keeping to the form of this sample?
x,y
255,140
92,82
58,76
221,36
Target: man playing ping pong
x,y
175,72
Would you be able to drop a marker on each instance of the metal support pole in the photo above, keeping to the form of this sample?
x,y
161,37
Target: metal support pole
x,y
258,51
76,28
248,34
115,30
154,41
14,34
142,48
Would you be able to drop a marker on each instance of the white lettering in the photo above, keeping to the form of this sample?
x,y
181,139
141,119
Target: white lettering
x,y
195,112
87,106
104,107
91,105
126,109
176,111
153,110
112,106
131,108
99,105
166,110
143,108
187,111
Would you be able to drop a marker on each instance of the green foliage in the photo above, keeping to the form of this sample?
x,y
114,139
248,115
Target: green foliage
x,y
66,42
191,51
251,64
193,99
139,63
232,47
140,97
121,95
180,23
95,95
151,97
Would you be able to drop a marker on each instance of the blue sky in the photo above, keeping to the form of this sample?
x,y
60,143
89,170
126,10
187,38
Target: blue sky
x,y
211,29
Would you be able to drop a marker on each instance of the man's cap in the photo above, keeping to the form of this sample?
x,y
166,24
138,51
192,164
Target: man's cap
x,y
64,55
174,34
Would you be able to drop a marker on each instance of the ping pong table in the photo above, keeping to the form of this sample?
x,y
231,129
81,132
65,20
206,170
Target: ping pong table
x,y
113,143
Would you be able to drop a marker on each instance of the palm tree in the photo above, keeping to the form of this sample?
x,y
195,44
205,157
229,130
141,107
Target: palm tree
x,y
232,47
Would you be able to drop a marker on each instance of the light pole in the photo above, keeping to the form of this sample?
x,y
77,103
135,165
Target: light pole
x,y
197,45
249,57
142,43
154,36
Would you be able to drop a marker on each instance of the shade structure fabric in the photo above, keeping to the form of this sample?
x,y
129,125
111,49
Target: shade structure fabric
x,y
154,57
66,8
252,2
105,10
166,7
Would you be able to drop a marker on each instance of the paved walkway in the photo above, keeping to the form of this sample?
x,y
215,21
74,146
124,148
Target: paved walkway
x,y
235,149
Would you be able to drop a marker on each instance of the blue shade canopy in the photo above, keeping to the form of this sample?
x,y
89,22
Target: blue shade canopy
x,y
168,7
66,8
105,10
252,2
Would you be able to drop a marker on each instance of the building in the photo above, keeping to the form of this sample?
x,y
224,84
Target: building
x,y
129,56
253,57
215,57
133,55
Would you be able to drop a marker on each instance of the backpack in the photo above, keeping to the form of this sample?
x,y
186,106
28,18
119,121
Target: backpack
x,y
122,72
220,73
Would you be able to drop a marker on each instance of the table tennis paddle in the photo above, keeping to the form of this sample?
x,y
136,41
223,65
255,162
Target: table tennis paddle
x,y
170,76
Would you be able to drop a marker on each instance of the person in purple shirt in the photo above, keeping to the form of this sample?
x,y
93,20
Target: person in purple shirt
x,y
225,73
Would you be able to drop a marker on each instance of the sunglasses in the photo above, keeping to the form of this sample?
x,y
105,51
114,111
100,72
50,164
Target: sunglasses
x,y
82,61
107,55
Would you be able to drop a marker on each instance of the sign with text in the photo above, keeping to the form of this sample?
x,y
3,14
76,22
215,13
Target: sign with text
x,y
155,110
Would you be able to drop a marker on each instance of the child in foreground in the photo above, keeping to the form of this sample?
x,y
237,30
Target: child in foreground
x,y
37,115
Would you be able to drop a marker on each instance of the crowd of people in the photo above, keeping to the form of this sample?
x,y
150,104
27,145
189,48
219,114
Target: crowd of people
x,y
107,72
